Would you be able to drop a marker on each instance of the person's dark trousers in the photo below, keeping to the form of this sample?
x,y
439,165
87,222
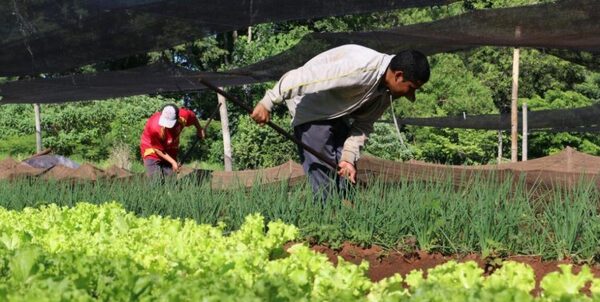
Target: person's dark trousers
x,y
157,168
327,137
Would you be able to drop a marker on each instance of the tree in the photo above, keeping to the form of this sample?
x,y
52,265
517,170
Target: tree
x,y
543,143
451,90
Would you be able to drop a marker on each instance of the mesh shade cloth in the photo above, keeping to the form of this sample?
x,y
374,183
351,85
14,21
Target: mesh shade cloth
x,y
564,169
154,78
58,35
291,172
568,25
581,119
570,28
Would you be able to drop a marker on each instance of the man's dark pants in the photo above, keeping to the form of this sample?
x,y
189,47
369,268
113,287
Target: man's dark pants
x,y
157,168
327,137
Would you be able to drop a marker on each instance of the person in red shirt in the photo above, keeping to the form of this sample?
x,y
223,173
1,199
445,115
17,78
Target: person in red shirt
x,y
160,140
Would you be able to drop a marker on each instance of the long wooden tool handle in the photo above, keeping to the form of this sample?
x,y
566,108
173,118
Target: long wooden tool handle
x,y
281,131
196,140
212,116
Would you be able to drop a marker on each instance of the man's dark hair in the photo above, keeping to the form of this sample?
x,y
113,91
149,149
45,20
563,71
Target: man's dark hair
x,y
413,63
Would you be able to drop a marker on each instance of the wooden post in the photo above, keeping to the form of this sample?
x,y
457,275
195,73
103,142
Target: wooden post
x,y
229,39
38,128
499,146
227,158
514,99
234,37
524,135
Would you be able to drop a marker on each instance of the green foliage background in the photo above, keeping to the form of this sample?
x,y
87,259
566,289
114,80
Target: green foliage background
x,y
256,146
472,82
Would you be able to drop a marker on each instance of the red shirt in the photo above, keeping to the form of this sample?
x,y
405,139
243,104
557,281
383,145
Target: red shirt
x,y
164,139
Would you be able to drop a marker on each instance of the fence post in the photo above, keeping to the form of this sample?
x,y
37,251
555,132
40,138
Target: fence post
x,y
227,158
514,99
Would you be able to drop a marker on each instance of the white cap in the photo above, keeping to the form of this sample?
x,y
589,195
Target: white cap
x,y
168,117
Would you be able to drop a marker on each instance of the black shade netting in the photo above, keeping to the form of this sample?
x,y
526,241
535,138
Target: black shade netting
x,y
58,35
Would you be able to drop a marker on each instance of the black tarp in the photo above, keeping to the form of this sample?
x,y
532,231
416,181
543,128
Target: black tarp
x,y
155,78
568,28
58,35
584,119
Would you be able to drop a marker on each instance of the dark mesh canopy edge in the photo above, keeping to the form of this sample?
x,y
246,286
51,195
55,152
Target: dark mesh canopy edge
x,y
569,28
572,31
578,119
155,78
58,35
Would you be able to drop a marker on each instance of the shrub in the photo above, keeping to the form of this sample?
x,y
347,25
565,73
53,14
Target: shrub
x,y
259,147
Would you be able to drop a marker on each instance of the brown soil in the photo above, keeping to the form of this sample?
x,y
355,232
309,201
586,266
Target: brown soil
x,y
116,172
10,169
8,163
84,172
88,171
384,263
58,172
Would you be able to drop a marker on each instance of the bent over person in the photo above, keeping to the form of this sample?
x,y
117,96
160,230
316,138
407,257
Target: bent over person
x,y
334,100
160,140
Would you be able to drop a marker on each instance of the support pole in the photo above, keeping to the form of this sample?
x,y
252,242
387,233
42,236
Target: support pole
x,y
280,130
514,99
227,158
38,128
499,146
524,135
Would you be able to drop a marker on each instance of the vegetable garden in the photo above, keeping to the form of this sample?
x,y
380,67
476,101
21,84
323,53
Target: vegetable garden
x,y
183,241
109,235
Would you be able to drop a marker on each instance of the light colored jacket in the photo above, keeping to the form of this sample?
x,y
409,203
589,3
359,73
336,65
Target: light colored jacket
x,y
342,82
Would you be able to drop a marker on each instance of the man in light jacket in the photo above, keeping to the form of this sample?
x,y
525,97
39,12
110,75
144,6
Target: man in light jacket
x,y
335,98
